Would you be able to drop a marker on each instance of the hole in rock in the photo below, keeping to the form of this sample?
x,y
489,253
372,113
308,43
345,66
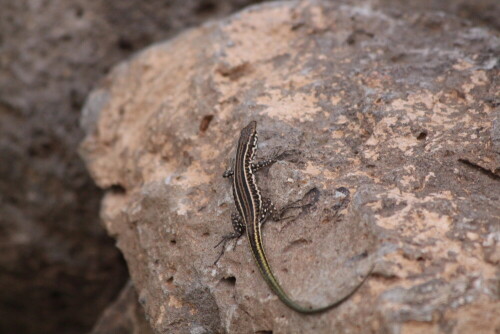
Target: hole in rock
x,y
231,280
117,189
422,135
205,122
170,281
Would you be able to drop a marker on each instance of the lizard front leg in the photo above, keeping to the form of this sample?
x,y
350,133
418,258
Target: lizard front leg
x,y
229,172
239,229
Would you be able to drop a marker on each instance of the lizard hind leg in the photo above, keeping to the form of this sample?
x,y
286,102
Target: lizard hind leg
x,y
269,211
307,201
267,162
261,164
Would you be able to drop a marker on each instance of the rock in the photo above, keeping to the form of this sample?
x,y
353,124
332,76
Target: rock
x,y
394,106
124,316
60,267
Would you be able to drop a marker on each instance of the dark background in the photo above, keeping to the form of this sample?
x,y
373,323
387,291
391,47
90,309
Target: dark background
x,y
58,268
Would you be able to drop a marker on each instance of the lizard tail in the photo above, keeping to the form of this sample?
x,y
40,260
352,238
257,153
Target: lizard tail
x,y
273,283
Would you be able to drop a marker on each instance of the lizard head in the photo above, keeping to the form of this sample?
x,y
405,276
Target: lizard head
x,y
249,130
249,136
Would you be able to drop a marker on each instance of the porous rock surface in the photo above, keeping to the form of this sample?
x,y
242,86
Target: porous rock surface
x,y
400,108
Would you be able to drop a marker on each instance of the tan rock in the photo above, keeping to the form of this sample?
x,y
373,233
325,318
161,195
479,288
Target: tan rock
x,y
399,113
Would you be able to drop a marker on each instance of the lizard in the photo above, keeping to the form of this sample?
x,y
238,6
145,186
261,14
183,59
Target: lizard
x,y
252,212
